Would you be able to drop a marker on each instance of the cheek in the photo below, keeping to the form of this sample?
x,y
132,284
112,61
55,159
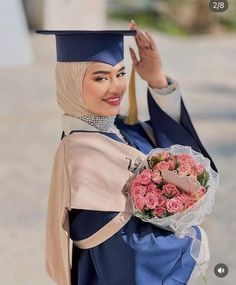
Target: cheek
x,y
123,86
93,92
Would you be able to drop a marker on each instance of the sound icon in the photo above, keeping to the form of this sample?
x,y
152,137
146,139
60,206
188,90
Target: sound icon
x,y
221,270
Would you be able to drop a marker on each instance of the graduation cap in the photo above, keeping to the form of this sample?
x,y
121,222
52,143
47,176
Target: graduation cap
x,y
105,46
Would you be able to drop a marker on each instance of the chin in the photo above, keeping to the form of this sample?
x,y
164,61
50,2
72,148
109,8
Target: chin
x,y
108,113
114,112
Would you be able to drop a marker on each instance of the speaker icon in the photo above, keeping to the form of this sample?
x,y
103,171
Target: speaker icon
x,y
221,270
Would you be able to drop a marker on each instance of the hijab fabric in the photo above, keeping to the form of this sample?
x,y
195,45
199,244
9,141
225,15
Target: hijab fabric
x,y
69,80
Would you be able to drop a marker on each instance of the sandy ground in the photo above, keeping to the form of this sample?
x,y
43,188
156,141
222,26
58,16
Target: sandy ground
x,y
30,131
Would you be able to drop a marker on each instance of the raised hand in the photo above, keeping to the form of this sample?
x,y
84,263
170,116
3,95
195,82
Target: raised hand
x,y
149,65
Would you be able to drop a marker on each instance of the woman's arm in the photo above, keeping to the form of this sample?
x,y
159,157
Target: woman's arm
x,y
169,126
168,99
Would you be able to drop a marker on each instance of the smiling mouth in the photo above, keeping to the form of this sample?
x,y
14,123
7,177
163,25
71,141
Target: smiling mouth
x,y
114,100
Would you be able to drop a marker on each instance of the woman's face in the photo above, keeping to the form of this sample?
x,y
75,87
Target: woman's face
x,y
103,88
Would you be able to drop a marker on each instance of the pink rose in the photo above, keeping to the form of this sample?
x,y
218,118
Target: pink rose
x,y
163,165
199,168
151,187
174,205
170,190
135,182
189,203
161,201
193,173
185,158
145,176
139,202
183,198
156,177
151,200
172,165
160,212
138,190
184,168
158,192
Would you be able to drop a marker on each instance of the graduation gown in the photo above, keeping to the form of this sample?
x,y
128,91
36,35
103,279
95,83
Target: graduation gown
x,y
139,253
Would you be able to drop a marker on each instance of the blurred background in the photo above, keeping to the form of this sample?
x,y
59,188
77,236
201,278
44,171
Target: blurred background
x,y
198,49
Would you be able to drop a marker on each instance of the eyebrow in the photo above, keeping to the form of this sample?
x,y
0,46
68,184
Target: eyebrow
x,y
106,71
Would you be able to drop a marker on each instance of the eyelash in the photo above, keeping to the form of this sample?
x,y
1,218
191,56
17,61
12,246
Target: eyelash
x,y
122,73
118,75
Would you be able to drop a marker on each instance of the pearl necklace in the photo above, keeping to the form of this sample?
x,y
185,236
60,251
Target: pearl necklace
x,y
103,124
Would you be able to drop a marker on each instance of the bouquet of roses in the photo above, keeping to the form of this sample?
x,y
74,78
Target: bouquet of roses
x,y
174,188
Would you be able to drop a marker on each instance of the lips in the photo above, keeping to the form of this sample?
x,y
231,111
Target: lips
x,y
113,100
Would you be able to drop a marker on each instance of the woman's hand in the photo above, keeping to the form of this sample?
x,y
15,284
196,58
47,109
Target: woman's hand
x,y
149,66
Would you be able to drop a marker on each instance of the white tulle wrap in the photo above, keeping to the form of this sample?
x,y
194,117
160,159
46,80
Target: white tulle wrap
x,y
181,223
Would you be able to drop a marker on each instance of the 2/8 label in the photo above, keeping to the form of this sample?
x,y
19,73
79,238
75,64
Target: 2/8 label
x,y
218,5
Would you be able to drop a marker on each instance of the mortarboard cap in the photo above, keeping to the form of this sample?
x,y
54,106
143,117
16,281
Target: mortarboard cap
x,y
104,46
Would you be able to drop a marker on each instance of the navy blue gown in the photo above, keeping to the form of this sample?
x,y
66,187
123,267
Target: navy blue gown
x,y
139,253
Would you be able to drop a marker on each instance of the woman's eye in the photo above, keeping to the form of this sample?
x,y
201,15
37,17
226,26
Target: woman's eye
x,y
103,78
121,74
100,79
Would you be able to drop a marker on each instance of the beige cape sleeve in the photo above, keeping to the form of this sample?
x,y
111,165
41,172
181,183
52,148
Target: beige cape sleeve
x,y
57,234
89,172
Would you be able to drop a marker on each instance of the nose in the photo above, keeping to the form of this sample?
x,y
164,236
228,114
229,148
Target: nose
x,y
115,86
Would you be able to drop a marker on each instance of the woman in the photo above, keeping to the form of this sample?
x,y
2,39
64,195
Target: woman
x,y
95,158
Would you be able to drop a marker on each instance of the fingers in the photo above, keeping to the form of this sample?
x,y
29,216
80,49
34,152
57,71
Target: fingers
x,y
143,40
150,38
134,57
132,25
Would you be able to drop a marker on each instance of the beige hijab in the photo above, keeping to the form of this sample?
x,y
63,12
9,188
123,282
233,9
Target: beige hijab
x,y
69,86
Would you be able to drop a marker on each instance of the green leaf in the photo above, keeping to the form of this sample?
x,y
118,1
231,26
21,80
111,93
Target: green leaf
x,y
152,161
203,178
